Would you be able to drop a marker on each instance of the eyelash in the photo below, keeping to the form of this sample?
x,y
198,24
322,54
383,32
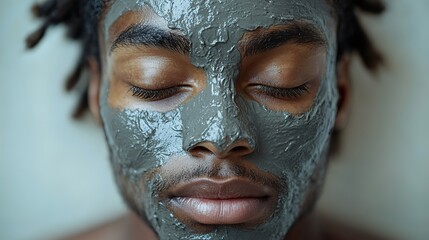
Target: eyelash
x,y
280,93
154,95
283,93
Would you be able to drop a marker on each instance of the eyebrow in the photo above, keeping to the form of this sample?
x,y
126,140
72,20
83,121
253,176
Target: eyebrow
x,y
298,33
147,35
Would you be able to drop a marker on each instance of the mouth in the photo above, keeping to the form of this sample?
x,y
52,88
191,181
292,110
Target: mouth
x,y
222,202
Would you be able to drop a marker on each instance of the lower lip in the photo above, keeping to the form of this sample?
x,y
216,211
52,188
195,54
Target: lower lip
x,y
222,211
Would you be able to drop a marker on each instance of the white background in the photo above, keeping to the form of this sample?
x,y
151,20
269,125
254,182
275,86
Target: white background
x,y
54,173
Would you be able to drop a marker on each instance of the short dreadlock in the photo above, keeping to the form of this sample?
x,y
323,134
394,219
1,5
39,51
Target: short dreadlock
x,y
81,19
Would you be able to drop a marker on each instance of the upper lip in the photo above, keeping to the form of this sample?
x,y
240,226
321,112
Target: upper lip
x,y
230,188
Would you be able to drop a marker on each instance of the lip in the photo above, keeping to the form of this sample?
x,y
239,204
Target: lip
x,y
222,202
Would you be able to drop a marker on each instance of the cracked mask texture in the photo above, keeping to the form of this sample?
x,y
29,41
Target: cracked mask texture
x,y
292,148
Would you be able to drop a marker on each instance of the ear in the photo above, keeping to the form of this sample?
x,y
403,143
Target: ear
x,y
94,89
344,90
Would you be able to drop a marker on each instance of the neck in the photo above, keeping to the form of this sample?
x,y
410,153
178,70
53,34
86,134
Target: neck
x,y
139,230
306,227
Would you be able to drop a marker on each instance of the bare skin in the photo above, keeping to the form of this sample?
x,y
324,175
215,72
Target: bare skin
x,y
313,227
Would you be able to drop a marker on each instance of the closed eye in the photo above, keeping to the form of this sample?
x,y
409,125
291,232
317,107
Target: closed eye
x,y
155,94
281,93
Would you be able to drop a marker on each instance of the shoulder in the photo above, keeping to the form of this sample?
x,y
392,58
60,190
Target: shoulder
x,y
112,230
334,230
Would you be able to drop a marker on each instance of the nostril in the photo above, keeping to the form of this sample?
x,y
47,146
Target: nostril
x,y
240,150
199,150
236,149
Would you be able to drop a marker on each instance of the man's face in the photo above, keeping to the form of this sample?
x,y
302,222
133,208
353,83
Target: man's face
x,y
218,113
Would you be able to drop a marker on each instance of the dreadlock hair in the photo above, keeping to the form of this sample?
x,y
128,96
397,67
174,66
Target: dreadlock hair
x,y
81,20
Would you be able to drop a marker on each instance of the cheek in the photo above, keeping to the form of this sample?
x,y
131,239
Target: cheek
x,y
288,142
140,141
293,145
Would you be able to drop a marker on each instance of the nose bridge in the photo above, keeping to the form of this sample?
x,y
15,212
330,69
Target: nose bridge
x,y
220,119
228,125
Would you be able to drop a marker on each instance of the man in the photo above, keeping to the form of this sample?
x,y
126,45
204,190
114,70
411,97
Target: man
x,y
218,114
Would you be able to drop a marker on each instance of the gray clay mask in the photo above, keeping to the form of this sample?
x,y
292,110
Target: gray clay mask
x,y
290,148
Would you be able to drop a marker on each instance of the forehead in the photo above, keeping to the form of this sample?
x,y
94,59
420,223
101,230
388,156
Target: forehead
x,y
219,17
214,27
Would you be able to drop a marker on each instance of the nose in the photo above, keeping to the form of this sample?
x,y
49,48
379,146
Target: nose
x,y
224,130
217,121
235,149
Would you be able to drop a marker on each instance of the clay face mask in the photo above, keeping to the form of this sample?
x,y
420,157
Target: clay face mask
x,y
238,135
